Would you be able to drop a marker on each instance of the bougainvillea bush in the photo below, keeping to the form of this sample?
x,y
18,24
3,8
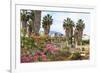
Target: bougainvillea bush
x,y
35,55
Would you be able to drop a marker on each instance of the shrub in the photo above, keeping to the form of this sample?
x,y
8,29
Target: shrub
x,y
76,56
27,42
84,42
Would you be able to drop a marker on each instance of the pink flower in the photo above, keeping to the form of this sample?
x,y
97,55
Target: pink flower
x,y
26,58
42,53
51,48
44,58
36,53
35,58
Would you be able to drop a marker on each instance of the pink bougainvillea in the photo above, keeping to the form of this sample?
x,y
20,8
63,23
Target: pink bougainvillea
x,y
35,57
38,55
51,48
44,58
26,58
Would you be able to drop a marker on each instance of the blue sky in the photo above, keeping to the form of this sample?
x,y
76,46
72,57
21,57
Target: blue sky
x,y
58,18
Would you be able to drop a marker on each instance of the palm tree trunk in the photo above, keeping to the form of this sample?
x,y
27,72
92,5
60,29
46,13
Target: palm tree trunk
x,y
37,22
81,39
71,36
24,27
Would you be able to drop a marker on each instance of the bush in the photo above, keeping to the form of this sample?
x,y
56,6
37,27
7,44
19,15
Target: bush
x,y
84,42
76,56
27,42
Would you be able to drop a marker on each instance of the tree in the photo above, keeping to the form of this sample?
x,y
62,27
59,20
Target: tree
x,y
30,29
31,21
37,21
47,21
24,19
79,31
68,25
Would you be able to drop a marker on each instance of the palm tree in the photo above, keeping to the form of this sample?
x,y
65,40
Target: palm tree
x,y
37,21
24,19
32,19
68,25
30,29
79,31
47,21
